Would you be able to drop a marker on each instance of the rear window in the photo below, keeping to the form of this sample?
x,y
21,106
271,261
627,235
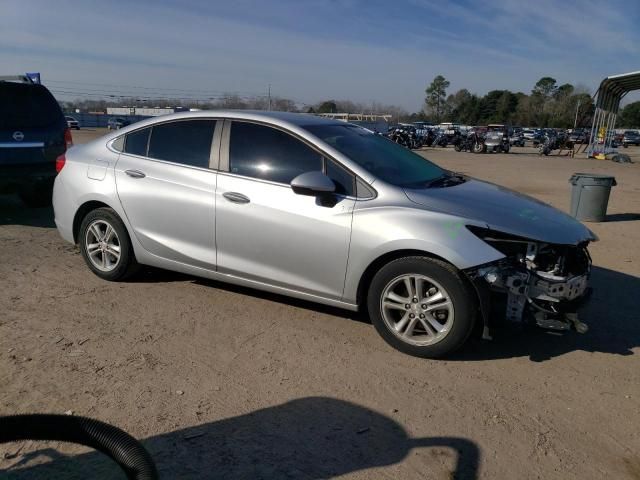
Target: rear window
x,y
27,106
136,142
185,141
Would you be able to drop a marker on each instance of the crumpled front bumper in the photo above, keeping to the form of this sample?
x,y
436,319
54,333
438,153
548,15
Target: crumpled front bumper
x,y
549,301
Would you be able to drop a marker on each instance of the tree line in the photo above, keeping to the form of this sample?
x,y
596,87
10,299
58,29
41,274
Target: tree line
x,y
547,105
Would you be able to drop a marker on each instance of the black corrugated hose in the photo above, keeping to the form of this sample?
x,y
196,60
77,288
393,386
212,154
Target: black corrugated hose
x,y
121,447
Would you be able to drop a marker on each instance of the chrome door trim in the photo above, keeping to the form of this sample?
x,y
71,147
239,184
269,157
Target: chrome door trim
x,y
22,145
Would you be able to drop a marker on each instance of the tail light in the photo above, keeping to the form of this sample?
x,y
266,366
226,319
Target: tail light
x,y
67,137
60,161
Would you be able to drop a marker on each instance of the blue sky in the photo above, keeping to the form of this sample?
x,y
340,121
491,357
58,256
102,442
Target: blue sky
x,y
309,50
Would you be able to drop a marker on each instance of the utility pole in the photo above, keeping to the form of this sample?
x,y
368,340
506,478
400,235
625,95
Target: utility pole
x,y
575,122
269,95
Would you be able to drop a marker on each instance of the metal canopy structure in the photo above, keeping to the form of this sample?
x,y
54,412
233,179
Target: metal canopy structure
x,y
611,91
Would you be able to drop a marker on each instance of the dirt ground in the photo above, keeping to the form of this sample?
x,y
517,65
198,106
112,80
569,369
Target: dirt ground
x,y
227,382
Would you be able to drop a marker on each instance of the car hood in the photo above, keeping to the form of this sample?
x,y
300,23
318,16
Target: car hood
x,y
503,210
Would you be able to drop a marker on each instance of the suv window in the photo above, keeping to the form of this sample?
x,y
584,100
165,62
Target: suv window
x,y
263,152
184,141
136,142
27,106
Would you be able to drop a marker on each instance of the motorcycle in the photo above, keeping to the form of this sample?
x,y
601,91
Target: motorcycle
x,y
440,140
554,141
407,137
472,142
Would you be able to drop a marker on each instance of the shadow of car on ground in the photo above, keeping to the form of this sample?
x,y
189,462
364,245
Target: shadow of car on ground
x,y
308,438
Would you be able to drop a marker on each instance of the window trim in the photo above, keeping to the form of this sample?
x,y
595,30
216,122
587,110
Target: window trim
x,y
225,150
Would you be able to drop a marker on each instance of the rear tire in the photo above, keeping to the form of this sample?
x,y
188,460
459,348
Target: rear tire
x,y
440,304
105,245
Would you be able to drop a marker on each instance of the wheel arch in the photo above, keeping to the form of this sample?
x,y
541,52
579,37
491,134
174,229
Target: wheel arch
x,y
82,212
379,262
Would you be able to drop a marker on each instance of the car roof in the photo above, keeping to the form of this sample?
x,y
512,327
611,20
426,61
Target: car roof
x,y
286,119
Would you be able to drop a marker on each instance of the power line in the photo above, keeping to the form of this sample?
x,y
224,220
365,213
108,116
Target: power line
x,y
119,87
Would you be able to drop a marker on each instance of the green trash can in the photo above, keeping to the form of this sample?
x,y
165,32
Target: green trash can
x,y
590,196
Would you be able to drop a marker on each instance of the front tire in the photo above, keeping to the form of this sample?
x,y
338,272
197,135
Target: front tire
x,y
421,306
105,245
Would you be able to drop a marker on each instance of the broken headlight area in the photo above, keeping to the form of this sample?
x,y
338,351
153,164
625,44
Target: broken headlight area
x,y
539,282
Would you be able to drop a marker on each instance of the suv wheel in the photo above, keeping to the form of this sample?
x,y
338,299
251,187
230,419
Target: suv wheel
x,y
38,196
421,306
105,245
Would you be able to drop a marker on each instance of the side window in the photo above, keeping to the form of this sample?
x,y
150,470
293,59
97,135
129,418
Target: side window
x,y
184,141
341,177
136,142
267,153
118,144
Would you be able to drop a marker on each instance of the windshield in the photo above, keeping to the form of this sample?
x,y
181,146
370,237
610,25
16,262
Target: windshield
x,y
378,155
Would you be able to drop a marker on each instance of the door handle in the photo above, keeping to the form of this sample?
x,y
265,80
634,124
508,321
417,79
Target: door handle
x,y
236,197
135,173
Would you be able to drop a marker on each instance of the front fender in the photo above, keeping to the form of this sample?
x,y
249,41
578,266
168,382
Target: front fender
x,y
379,231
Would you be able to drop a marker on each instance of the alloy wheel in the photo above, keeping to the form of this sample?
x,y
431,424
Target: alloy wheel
x,y
417,309
102,245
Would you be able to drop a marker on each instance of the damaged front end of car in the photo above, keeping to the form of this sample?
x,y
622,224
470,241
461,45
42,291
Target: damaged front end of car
x,y
537,282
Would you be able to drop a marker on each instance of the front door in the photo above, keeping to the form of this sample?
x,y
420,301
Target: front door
x,y
266,232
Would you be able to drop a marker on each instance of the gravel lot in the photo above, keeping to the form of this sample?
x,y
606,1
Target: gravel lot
x,y
227,382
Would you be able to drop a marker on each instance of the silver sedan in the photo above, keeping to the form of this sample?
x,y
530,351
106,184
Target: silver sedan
x,y
325,211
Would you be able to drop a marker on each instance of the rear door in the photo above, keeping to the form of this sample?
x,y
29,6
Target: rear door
x,y
166,182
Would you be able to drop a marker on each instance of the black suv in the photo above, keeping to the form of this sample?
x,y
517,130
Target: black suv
x,y
33,134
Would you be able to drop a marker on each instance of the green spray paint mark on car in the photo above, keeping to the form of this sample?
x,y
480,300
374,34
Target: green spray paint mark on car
x,y
453,228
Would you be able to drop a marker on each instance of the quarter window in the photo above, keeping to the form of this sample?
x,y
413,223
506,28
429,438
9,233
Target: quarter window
x,y
267,153
186,141
136,142
342,178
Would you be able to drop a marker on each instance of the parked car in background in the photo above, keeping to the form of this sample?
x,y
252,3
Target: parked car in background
x,y
529,134
33,134
578,136
72,122
516,137
116,123
279,201
631,137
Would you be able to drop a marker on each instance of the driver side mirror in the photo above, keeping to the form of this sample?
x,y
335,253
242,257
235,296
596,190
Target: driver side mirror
x,y
313,184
